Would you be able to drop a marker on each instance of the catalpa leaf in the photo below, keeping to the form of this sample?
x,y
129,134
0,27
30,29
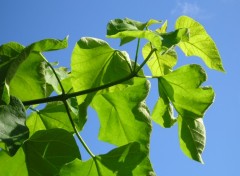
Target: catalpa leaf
x,y
182,89
123,114
94,63
127,30
159,64
163,112
8,52
23,68
192,136
52,116
13,165
163,28
199,44
13,131
48,150
122,161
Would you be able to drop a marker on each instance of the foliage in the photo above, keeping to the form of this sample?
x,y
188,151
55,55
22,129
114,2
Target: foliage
x,y
40,138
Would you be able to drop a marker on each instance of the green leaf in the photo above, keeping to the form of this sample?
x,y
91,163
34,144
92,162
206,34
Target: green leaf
x,y
200,43
95,63
160,64
13,131
163,113
51,79
13,165
171,39
52,116
8,53
121,161
123,115
48,150
19,64
163,28
182,89
28,82
128,29
192,137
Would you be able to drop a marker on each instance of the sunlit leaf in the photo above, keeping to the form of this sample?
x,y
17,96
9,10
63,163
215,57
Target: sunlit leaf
x,y
192,137
52,116
15,165
23,68
28,82
159,64
95,63
182,89
51,80
123,114
48,150
163,28
13,130
200,43
121,161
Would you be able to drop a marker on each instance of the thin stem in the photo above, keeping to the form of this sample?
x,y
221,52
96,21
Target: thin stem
x,y
145,61
69,114
136,55
76,131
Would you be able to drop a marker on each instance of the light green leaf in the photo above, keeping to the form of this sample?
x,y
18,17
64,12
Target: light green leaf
x,y
15,165
163,28
200,43
52,116
123,114
182,89
27,63
13,131
48,150
122,161
192,136
159,64
28,82
51,79
95,63
126,29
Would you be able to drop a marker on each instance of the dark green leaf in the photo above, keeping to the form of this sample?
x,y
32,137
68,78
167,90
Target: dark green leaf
x,y
13,131
13,166
200,43
172,38
163,113
8,52
192,137
48,150
123,114
127,30
122,161
95,63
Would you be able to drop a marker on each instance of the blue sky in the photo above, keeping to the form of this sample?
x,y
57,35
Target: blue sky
x,y
27,21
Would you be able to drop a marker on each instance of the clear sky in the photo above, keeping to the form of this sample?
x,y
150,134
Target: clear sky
x,y
27,21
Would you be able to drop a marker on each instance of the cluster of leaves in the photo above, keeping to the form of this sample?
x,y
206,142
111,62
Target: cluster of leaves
x,y
41,142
